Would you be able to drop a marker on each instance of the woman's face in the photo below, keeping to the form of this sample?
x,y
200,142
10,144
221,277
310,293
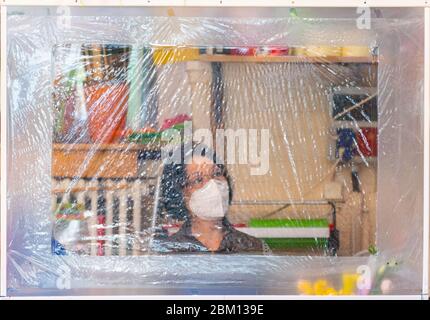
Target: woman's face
x,y
198,173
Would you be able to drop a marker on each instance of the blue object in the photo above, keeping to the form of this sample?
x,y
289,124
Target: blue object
x,y
345,142
57,248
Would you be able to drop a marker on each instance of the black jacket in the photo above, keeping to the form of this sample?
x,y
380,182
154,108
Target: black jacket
x,y
234,241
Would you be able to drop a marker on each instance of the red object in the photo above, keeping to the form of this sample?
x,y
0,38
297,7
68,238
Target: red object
x,y
278,51
70,216
100,234
180,118
244,51
367,140
69,110
240,225
107,111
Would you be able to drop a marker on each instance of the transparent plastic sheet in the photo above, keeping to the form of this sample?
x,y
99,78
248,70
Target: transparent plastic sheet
x,y
90,96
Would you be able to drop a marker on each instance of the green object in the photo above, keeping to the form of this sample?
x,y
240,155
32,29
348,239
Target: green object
x,y
293,13
135,79
145,138
288,223
373,250
67,88
179,126
383,271
151,137
70,208
71,85
292,243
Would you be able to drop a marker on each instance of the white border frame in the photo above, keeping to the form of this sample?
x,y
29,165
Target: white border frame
x,y
218,3
221,3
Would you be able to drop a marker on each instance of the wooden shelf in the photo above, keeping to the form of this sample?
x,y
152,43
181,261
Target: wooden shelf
x,y
286,59
98,161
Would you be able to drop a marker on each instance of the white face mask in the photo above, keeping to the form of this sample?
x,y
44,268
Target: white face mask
x,y
211,201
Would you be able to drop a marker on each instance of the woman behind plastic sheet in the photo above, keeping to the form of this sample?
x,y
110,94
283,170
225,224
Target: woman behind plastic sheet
x,y
198,191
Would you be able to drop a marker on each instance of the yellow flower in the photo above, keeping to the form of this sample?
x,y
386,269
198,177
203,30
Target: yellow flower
x,y
331,292
305,287
320,287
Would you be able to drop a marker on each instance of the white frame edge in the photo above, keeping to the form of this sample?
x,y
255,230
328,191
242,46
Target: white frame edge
x,y
220,3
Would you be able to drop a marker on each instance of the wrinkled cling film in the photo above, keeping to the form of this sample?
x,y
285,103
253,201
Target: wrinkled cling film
x,y
295,139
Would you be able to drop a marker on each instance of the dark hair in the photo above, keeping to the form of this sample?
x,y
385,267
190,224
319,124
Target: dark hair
x,y
174,178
